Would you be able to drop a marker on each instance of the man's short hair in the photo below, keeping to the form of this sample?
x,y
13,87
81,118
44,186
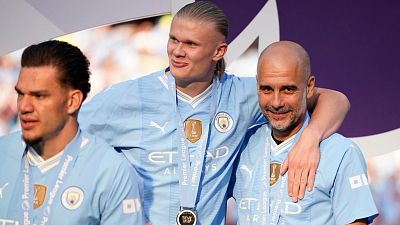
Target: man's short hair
x,y
70,62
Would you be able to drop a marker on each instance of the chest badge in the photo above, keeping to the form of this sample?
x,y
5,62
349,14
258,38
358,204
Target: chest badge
x,y
275,169
193,130
72,198
223,122
39,195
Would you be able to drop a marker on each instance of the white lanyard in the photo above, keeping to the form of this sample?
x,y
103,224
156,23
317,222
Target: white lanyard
x,y
190,173
25,192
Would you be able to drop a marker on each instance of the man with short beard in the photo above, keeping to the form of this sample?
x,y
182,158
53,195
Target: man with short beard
x,y
341,194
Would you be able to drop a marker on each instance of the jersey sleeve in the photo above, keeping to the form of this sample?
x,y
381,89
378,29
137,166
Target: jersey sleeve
x,y
123,205
113,113
351,195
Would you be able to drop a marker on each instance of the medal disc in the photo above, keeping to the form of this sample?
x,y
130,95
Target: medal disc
x,y
186,217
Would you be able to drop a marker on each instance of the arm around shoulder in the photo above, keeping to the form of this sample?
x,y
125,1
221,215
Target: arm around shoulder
x,y
328,108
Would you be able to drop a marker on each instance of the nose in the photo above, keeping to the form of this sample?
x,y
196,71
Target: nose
x,y
24,104
277,101
178,50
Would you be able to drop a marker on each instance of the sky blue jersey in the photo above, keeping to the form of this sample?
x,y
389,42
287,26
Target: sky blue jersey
x,y
138,118
341,192
100,186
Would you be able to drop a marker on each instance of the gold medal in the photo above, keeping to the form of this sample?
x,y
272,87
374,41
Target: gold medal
x,y
186,217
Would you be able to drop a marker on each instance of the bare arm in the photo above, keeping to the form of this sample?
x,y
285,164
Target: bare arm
x,y
329,109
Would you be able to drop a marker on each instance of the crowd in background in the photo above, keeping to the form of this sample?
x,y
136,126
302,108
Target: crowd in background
x,y
133,49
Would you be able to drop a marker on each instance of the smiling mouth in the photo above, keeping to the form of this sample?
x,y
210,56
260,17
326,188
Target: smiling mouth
x,y
278,116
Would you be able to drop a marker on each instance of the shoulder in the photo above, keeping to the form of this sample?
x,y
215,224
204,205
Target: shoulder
x,y
101,153
255,138
103,163
337,142
128,86
121,96
12,146
242,89
338,150
238,81
257,131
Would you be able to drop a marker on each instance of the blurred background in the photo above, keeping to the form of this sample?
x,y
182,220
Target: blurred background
x,y
133,49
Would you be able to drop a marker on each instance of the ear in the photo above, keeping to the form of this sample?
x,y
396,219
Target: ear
x,y
220,51
74,101
310,86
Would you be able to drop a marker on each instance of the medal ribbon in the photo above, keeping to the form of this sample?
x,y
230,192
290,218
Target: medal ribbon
x,y
190,173
266,176
25,193
276,209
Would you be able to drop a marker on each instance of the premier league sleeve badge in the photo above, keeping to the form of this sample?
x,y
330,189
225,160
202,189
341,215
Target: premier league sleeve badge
x,y
186,217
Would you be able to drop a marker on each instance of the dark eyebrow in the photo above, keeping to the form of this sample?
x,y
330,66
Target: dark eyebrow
x,y
294,87
38,92
264,86
187,41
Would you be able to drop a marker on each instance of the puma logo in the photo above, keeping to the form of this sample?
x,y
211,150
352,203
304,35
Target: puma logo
x,y
162,128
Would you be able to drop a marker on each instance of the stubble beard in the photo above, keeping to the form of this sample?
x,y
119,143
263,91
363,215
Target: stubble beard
x,y
32,141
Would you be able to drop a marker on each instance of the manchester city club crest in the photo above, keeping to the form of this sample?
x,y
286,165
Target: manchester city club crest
x,y
275,169
223,122
193,130
72,198
39,194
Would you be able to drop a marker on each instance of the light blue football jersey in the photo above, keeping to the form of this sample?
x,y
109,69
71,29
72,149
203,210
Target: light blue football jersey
x,y
99,188
341,193
138,118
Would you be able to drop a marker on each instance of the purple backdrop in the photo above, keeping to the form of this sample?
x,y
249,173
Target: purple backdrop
x,y
354,47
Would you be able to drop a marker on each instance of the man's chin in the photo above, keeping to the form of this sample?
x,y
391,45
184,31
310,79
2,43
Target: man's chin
x,y
280,126
31,141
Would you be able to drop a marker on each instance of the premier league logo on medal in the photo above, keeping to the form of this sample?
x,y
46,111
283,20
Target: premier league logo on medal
x,y
223,122
39,195
186,217
72,198
275,169
193,130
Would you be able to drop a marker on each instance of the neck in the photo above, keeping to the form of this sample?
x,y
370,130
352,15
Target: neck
x,y
194,89
281,136
53,145
278,142
196,86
